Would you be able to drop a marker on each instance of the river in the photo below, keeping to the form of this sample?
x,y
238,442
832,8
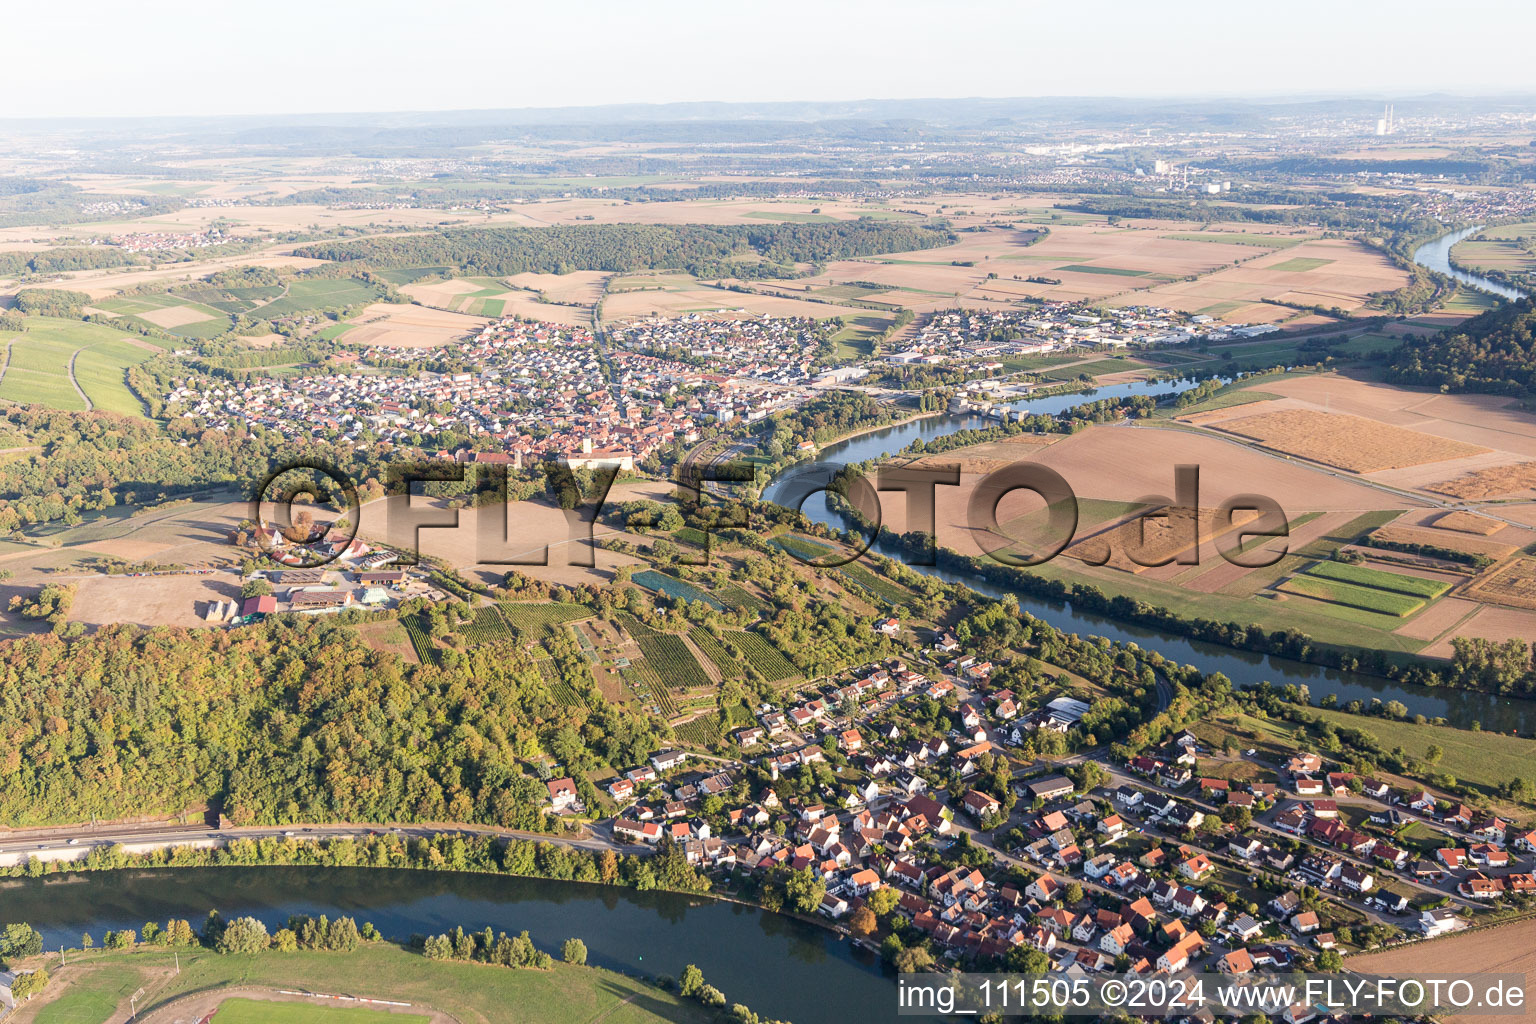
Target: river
x,y
782,968
1436,255
1458,707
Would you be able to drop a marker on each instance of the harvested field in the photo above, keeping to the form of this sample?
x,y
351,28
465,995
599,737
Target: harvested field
x,y
1507,949
127,548
1437,619
1498,482
1401,534
1345,278
1348,442
1488,623
1221,574
150,600
1469,522
1512,584
398,326
1152,538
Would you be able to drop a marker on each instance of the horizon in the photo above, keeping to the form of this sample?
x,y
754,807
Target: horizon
x,y
475,55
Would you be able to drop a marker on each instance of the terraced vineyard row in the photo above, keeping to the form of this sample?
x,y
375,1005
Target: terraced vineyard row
x,y
764,657
487,627
536,619
714,650
426,650
882,588
700,732
564,694
672,659
642,679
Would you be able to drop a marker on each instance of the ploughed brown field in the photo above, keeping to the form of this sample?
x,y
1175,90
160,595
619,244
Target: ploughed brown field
x,y
1348,442
1510,949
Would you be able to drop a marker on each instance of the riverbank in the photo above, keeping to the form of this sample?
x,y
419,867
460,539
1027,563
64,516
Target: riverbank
x,y
186,984
815,976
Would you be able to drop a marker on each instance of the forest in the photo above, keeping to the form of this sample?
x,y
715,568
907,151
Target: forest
x,y
1493,353
706,250
285,721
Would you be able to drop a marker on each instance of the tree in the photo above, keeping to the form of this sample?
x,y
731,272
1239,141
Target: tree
x,y
691,982
1329,960
913,960
28,985
883,900
243,935
862,922
1072,894
1434,753
574,952
19,940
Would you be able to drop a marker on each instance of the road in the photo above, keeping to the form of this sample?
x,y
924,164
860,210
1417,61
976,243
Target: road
x,y
84,838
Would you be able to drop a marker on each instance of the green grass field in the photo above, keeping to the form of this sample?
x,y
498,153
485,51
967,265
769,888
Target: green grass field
x,y
1359,575
101,983
1096,368
252,1011
322,293
1300,264
806,218
92,1003
1085,268
38,368
1368,598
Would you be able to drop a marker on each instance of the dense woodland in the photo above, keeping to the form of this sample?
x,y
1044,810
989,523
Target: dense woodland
x,y
706,250
1494,352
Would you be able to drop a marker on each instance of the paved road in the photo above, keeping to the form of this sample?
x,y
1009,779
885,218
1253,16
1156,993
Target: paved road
x,y
88,837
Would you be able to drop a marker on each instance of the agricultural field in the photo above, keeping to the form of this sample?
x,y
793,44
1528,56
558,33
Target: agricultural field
x,y
1348,442
672,661
394,325
1348,594
1359,575
72,366
764,657
171,313
437,990
535,617
1512,584
678,590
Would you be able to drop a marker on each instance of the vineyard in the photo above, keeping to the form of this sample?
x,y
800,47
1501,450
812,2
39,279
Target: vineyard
x,y
736,597
647,685
487,627
674,588
764,657
564,694
884,589
714,650
536,619
426,651
672,659
702,732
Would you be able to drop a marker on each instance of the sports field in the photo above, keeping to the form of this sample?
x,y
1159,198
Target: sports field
x,y
253,1011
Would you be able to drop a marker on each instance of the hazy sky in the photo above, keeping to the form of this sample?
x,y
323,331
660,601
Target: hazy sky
x,y
91,58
